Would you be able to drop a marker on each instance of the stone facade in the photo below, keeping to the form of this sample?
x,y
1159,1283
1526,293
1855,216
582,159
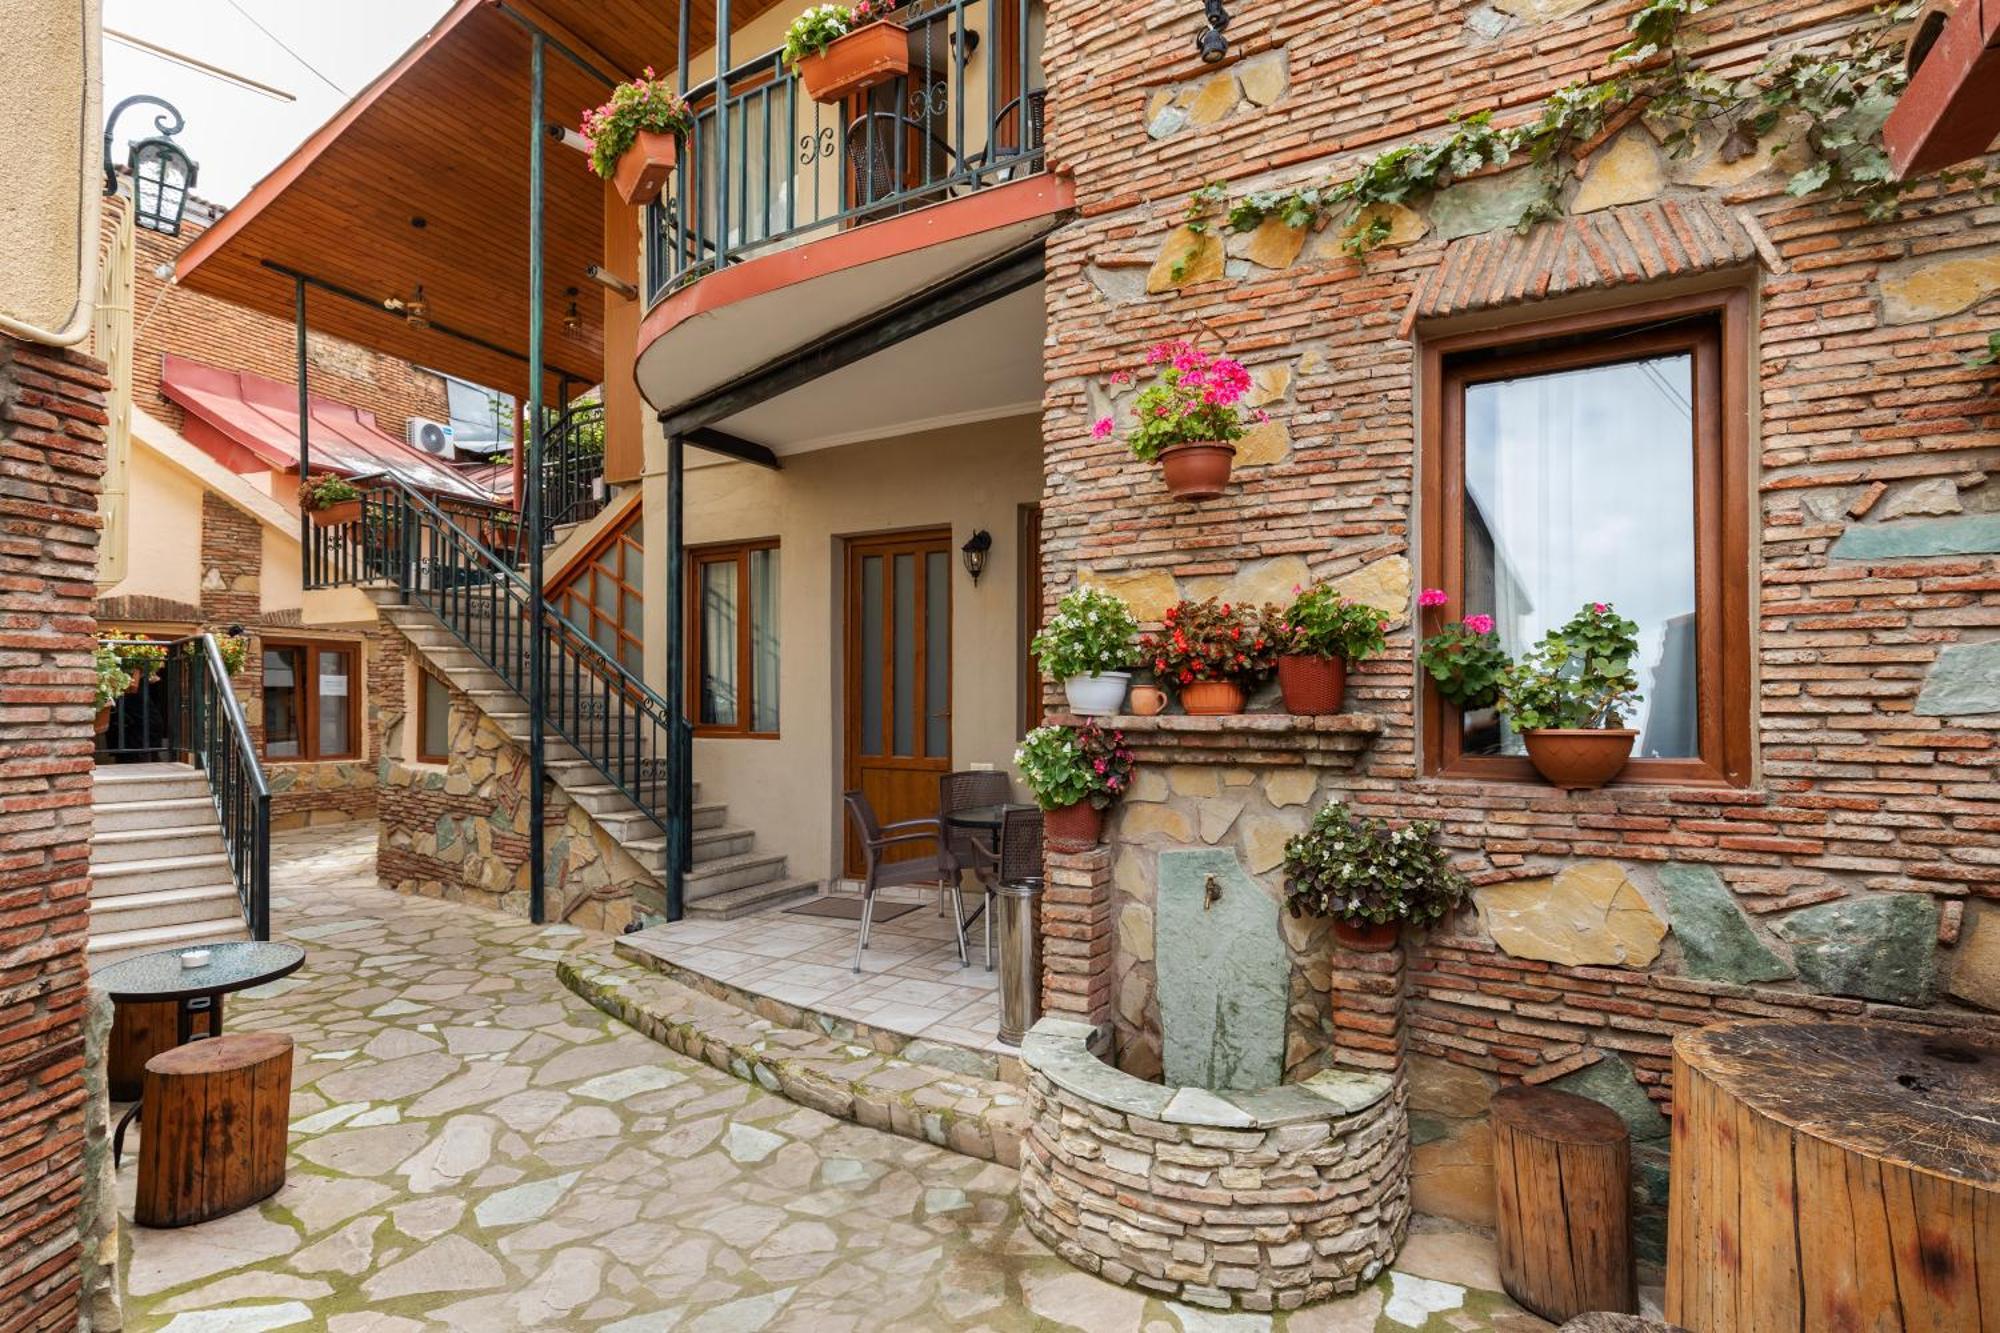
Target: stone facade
x,y
52,417
1843,876
1263,1199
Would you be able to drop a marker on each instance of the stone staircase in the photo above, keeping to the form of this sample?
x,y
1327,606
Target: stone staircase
x,y
159,875
730,877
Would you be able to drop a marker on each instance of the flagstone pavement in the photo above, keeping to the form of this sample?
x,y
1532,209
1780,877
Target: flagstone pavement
x,y
475,1148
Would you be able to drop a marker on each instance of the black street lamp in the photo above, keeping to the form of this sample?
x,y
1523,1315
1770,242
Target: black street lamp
x,y
162,172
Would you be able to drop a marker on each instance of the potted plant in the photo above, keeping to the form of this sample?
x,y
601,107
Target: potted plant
x,y
1370,878
112,680
1567,697
1076,773
1187,417
234,650
1087,645
838,51
1464,659
1315,638
1212,652
635,137
331,500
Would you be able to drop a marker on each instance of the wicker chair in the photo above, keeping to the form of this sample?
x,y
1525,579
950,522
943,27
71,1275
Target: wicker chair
x,y
1012,159
963,848
1017,859
877,838
878,149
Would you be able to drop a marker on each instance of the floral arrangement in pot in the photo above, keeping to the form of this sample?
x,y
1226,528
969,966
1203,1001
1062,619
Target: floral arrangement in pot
x,y
1464,659
1188,417
142,661
330,499
1212,653
1370,878
112,680
635,136
838,50
1567,697
234,649
1315,639
1076,774
1088,646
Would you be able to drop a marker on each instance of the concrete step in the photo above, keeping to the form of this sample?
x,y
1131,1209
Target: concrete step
x,y
718,844
125,816
215,904
147,782
103,950
163,872
734,872
751,899
108,849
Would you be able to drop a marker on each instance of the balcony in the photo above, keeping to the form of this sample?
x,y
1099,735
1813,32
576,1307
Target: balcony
x,y
766,167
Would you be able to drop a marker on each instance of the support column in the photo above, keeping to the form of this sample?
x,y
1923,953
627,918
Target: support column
x,y
680,778
538,629
1076,936
1366,990
306,561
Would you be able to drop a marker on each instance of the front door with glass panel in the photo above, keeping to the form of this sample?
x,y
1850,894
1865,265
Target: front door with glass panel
x,y
898,678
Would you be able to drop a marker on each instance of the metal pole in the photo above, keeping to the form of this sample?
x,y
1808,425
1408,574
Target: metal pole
x,y
722,135
679,781
681,44
306,562
537,626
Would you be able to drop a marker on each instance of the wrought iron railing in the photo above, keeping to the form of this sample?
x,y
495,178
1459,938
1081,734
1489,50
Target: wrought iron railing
x,y
572,467
362,549
765,164
192,710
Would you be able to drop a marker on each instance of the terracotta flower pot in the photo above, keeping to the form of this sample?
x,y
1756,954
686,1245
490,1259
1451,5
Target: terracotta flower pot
x,y
874,53
1073,827
1148,700
1313,686
1577,758
1367,936
337,513
102,723
644,167
1212,698
1197,471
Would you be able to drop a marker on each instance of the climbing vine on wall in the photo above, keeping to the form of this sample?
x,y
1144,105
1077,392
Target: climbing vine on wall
x,y
1843,94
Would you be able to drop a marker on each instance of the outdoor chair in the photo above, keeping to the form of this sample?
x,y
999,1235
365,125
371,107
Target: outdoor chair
x,y
1017,860
876,839
878,156
963,848
1019,159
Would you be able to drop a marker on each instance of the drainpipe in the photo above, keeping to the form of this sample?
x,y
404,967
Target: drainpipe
x,y
680,786
538,628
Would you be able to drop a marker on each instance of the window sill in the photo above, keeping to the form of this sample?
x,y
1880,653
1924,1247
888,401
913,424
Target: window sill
x,y
1253,740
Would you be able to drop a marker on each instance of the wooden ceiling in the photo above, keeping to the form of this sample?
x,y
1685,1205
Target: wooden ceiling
x,y
443,135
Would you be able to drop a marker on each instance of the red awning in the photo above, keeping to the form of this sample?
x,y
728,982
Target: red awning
x,y
251,424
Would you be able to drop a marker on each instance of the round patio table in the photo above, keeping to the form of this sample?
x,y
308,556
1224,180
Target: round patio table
x,y
156,978
986,818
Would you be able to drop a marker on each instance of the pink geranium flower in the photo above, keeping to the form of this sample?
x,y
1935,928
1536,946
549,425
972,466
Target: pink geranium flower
x,y
1101,428
1432,597
1478,624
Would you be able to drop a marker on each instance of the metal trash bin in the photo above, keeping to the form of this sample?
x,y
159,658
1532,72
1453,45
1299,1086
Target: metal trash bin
x,y
1020,947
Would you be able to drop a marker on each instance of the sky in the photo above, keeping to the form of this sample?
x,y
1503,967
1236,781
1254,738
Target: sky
x,y
237,135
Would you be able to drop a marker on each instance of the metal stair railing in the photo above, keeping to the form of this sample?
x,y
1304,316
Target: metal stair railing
x,y
206,722
572,467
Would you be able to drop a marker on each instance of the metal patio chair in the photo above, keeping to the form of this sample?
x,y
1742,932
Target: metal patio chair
x,y
964,849
877,838
1017,860
878,147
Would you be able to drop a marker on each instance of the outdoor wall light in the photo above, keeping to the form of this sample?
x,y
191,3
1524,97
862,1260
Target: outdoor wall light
x,y
162,172
573,317
416,311
611,282
974,553
1212,45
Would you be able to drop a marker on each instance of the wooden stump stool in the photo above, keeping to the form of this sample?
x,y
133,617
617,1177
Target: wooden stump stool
x,y
212,1128
1834,1176
1562,1165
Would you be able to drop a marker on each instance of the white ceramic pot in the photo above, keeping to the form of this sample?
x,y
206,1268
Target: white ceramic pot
x,y
1097,696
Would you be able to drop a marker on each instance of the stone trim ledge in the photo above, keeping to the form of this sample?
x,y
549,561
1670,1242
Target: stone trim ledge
x,y
973,1116
1265,1199
1255,740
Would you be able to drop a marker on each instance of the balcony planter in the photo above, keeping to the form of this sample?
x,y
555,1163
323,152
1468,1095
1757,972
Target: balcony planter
x,y
1197,471
643,168
1312,685
869,55
1073,828
336,514
1367,936
102,722
1212,698
1579,758
1097,695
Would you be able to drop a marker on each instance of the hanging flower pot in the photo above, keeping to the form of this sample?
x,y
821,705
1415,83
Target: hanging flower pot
x,y
1073,828
643,168
1313,685
1367,936
1098,695
1212,698
102,723
336,514
1148,700
1197,471
1579,758
869,55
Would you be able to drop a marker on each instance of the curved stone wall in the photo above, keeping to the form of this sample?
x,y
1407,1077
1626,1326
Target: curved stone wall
x,y
1268,1199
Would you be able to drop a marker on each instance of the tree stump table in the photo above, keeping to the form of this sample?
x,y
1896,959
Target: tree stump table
x,y
1834,1176
212,1132
1562,1166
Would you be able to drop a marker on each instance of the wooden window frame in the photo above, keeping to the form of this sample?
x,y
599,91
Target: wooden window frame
x,y
714,554
424,677
1714,327
579,580
308,694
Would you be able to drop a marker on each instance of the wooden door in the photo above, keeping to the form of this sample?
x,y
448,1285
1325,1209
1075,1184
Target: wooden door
x,y
898,677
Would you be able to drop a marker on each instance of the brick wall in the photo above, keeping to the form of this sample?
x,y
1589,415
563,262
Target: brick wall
x,y
1861,802
51,456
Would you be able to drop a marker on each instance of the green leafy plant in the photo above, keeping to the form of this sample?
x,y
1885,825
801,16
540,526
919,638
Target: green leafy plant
x,y
112,677
1988,355
1065,766
648,104
1320,623
1092,632
326,490
1579,675
234,650
1192,398
1464,659
1360,869
143,661
823,25
1209,641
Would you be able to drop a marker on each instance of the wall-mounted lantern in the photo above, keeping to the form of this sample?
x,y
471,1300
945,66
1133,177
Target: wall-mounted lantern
x,y
974,553
162,172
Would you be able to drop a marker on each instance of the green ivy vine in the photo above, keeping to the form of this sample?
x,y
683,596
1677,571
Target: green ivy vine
x,y
1844,94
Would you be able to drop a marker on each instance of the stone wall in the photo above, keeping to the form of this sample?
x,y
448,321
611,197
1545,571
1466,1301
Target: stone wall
x,y
51,456
1264,1199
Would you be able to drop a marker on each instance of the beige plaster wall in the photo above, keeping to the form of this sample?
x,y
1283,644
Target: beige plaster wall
x,y
967,477
50,123
164,534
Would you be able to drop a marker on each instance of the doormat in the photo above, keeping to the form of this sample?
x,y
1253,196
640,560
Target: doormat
x,y
849,909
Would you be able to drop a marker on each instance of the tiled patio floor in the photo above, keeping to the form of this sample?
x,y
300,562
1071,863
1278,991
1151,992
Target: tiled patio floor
x,y
475,1148
910,981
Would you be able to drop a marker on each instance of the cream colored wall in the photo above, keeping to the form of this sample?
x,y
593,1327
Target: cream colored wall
x,y
50,122
163,552
968,477
282,586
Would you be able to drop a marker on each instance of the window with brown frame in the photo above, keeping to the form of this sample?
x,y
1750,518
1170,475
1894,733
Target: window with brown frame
x,y
312,704
433,719
733,639
603,593
1600,458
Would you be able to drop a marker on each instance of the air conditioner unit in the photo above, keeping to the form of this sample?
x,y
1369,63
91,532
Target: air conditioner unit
x,y
431,437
